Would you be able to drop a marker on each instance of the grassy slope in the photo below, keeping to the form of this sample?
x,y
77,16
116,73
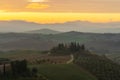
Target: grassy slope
x,y
64,72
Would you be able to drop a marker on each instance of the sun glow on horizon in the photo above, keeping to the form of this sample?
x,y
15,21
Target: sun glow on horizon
x,y
37,0
47,17
1,11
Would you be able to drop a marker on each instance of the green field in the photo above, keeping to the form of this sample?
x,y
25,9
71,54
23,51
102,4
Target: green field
x,y
64,72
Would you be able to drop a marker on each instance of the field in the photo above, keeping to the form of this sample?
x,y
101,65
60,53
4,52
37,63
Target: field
x,y
35,57
55,67
64,72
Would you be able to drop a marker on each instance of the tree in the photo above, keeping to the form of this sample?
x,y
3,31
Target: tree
x,y
34,72
83,47
71,48
19,68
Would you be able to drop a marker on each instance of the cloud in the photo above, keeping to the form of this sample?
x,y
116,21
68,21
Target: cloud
x,y
12,5
37,6
99,6
37,0
23,5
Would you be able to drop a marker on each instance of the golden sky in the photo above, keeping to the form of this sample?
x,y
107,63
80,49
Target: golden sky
x,y
60,11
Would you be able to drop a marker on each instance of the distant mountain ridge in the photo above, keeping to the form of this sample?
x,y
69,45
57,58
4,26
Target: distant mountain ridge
x,y
44,31
80,26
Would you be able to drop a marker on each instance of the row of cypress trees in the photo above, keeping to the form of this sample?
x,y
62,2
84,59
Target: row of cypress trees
x,y
65,49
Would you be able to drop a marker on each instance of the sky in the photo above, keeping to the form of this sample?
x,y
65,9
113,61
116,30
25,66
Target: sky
x,y
60,11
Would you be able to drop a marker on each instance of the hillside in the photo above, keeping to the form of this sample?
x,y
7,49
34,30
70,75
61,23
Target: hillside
x,y
115,57
101,67
85,65
98,43
28,44
64,72
44,31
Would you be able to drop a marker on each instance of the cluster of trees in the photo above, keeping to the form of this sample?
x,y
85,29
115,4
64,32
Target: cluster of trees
x,y
20,68
43,61
17,69
71,48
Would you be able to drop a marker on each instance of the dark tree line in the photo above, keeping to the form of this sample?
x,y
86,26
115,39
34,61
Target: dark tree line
x,y
18,69
64,49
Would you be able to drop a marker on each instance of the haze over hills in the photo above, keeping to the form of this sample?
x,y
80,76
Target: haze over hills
x,y
80,26
103,44
83,32
44,31
98,43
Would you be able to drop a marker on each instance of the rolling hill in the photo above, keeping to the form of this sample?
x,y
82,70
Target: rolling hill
x,y
64,72
80,26
98,43
44,31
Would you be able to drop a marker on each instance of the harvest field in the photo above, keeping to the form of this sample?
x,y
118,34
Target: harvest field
x,y
34,57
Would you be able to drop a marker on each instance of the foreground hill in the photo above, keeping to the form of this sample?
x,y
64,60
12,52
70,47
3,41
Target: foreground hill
x,y
64,72
100,66
85,65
